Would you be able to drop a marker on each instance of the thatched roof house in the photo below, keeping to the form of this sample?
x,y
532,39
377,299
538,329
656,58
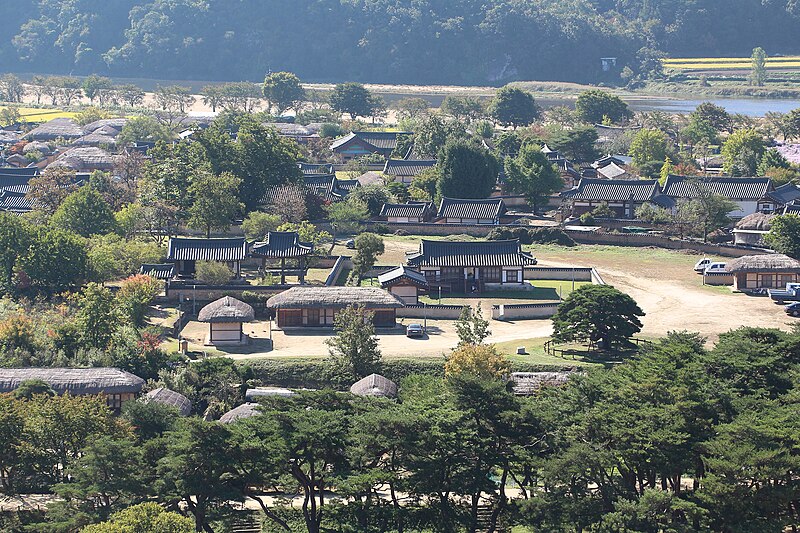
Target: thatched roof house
x,y
58,128
375,386
763,271
529,383
225,317
317,306
171,398
246,410
751,229
37,146
116,385
116,123
85,159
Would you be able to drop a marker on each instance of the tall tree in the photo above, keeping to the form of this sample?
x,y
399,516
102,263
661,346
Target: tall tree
x,y
84,212
649,146
351,98
532,175
742,152
283,91
514,107
215,201
368,247
758,71
784,235
354,349
594,105
576,144
467,171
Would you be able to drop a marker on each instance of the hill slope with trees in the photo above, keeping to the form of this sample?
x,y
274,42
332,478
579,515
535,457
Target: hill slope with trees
x,y
434,41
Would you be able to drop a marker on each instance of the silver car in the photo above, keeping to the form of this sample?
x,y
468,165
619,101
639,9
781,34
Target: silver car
x,y
415,330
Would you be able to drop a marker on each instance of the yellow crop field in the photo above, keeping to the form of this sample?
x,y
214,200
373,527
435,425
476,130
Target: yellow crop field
x,y
728,63
32,114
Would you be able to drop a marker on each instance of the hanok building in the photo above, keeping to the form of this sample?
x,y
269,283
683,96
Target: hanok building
x,y
405,170
117,386
314,307
408,213
787,194
162,271
404,283
469,211
58,128
361,143
750,230
312,169
765,271
225,318
622,197
751,195
283,245
471,266
186,252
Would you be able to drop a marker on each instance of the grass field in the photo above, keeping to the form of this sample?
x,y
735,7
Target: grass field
x,y
729,63
32,114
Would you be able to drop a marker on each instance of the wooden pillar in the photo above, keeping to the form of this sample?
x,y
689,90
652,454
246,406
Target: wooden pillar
x,y
302,270
283,271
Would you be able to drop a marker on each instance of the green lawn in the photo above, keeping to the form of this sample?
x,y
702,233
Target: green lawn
x,y
544,290
537,355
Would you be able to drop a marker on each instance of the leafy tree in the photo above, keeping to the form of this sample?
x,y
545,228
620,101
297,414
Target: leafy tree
x,y
465,108
143,518
48,190
351,98
472,328
532,175
432,134
215,201
648,146
354,349
90,114
576,144
150,420
593,105
411,108
514,107
467,171
94,85
784,235
257,224
307,232
84,212
347,216
479,360
143,128
758,73
131,94
11,88
423,185
373,196
96,315
197,470
283,91
599,314
33,387
213,273
772,159
55,261
15,237
173,101
368,247
135,295
742,152
716,116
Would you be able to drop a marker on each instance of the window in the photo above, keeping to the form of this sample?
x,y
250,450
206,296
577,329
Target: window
x,y
114,401
783,279
328,318
491,274
767,280
512,276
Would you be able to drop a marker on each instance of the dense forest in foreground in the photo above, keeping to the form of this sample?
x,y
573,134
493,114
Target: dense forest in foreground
x,y
393,41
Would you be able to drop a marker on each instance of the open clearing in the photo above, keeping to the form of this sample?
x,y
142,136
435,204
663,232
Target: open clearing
x,y
661,281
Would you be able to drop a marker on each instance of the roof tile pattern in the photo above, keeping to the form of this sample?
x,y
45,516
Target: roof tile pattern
x,y
600,190
470,254
282,244
732,188
487,209
189,249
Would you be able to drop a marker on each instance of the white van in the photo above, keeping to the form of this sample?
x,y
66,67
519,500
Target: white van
x,y
715,268
701,265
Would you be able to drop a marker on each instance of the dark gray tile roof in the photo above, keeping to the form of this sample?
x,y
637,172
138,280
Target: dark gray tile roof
x,y
189,249
315,168
732,188
391,277
412,210
407,167
380,140
159,271
489,208
785,194
282,244
14,183
73,380
470,254
14,171
15,202
600,190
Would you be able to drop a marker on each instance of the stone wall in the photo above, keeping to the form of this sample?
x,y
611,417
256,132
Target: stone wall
x,y
524,311
434,312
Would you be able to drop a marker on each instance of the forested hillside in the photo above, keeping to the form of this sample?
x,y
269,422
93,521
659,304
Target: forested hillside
x,y
419,41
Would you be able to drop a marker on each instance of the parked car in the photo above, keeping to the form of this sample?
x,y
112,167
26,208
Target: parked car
x,y
351,244
415,330
789,294
701,265
714,268
793,309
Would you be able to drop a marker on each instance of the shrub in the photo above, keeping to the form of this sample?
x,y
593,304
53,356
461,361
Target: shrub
x,y
587,219
381,229
499,234
213,273
550,235
135,295
522,234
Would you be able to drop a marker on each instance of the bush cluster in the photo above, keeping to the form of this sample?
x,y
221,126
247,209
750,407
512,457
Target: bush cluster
x,y
546,235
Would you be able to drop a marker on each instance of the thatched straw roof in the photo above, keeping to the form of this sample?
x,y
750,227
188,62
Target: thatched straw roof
x,y
374,385
756,221
763,263
528,383
37,146
226,309
85,158
334,297
58,127
73,380
116,123
170,398
246,410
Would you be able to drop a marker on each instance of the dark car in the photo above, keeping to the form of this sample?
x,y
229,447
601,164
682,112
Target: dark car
x,y
415,330
793,309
